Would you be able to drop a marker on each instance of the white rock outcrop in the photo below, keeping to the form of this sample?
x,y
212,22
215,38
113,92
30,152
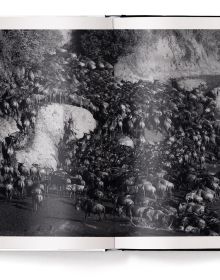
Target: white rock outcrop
x,y
49,130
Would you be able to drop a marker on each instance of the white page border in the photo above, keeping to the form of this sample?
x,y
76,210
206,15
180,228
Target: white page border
x,y
58,22
55,243
158,22
168,243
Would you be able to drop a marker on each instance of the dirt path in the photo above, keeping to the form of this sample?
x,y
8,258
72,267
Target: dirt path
x,y
58,217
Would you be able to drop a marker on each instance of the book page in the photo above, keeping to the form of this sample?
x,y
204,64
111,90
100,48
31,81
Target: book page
x,y
50,197
170,78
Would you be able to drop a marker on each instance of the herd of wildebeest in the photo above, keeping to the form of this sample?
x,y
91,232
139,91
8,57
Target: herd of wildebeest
x,y
164,183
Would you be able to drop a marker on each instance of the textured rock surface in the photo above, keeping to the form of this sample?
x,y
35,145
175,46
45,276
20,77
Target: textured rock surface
x,y
7,127
190,84
49,130
161,55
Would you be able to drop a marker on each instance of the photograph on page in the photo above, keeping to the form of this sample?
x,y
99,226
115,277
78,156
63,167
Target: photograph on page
x,y
109,132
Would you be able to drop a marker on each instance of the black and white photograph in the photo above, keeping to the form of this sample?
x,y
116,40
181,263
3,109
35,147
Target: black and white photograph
x,y
107,133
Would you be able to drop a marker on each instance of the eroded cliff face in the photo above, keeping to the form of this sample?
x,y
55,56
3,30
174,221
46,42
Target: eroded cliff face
x,y
171,54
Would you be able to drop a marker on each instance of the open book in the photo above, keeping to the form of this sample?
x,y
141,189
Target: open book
x,y
109,133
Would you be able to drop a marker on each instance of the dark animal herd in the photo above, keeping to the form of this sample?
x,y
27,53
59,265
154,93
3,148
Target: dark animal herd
x,y
162,184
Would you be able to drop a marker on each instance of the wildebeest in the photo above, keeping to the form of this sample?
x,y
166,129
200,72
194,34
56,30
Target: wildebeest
x,y
9,191
90,207
14,106
99,195
29,185
5,107
26,125
71,190
7,152
23,169
34,172
37,198
79,188
19,186
124,202
149,189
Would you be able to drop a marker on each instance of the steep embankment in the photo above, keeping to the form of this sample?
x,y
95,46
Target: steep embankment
x,y
168,54
49,130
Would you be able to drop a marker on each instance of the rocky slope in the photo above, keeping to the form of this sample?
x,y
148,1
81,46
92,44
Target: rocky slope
x,y
168,54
